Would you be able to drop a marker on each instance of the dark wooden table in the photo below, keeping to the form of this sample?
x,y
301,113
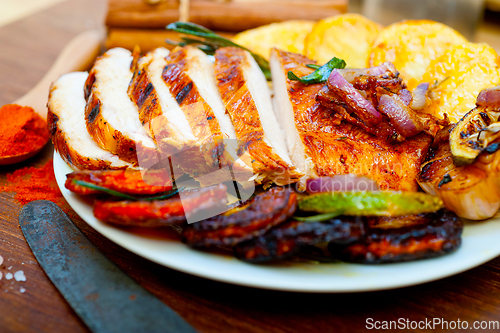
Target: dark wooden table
x,y
27,49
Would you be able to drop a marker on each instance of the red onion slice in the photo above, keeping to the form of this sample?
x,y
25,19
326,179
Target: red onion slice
x,y
489,97
402,118
351,73
420,96
342,183
405,96
361,106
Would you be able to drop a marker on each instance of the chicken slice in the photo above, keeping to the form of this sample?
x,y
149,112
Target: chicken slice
x,y
66,122
247,98
112,118
322,145
158,110
189,76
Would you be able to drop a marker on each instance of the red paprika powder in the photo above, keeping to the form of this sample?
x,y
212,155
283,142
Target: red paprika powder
x,y
22,130
34,183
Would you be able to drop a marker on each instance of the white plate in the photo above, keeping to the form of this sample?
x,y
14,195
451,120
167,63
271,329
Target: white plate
x,y
481,243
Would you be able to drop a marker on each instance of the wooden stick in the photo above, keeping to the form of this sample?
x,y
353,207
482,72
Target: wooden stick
x,y
147,39
216,15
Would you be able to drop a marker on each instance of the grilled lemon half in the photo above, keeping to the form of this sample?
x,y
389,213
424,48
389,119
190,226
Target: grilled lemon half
x,y
477,131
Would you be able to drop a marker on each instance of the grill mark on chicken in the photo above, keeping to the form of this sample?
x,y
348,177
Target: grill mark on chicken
x,y
344,148
69,159
209,154
94,112
230,65
197,111
253,219
200,116
145,94
183,94
52,121
123,137
88,85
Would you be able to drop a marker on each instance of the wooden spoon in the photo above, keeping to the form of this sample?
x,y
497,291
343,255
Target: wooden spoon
x,y
78,54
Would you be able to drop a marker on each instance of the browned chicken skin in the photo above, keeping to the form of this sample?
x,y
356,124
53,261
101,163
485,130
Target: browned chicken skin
x,y
337,147
233,70
210,153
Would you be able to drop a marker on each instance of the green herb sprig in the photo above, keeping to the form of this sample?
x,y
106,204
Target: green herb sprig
x,y
126,196
208,41
318,218
321,73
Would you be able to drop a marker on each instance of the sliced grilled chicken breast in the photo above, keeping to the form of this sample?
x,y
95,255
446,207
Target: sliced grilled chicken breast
x,y
112,118
66,122
245,93
159,112
321,146
189,76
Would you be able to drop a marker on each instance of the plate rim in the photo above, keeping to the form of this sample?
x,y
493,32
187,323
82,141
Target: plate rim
x,y
81,208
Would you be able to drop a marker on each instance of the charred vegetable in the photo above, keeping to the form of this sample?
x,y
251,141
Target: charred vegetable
x,y
96,189
124,181
160,213
478,130
471,191
289,238
251,220
381,203
403,239
376,99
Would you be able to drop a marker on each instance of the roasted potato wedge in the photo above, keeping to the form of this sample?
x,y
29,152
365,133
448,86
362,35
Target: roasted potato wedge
x,y
461,73
348,37
412,45
287,36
